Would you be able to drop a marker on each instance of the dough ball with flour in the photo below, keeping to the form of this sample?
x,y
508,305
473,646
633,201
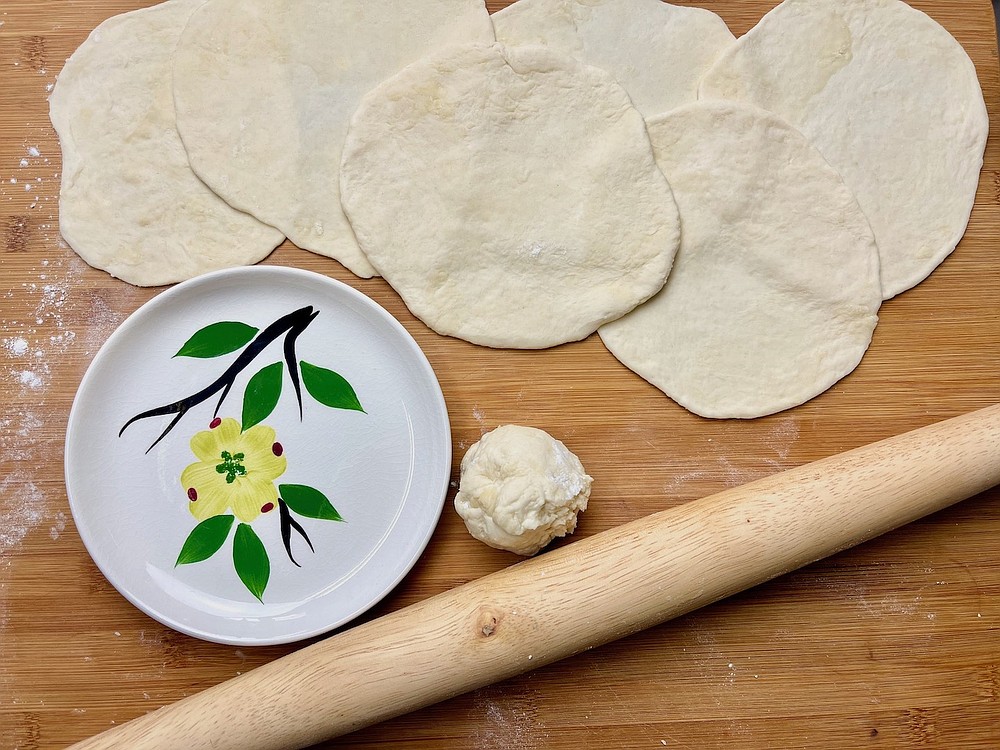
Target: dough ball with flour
x,y
891,100
129,203
509,195
657,51
775,292
521,488
265,90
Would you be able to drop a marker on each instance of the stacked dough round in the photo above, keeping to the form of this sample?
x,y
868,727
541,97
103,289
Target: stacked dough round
x,y
890,99
260,92
129,202
265,89
527,191
509,195
775,292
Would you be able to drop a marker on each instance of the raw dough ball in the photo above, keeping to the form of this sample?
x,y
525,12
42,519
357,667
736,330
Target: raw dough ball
x,y
509,195
891,100
657,51
265,90
521,488
129,203
775,292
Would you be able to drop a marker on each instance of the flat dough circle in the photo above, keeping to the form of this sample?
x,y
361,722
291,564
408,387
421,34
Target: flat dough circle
x,y
510,195
129,203
775,291
890,99
657,51
265,90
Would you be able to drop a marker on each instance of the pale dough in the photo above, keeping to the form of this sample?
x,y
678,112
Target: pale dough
x,y
775,291
509,195
657,51
265,89
129,203
890,99
520,488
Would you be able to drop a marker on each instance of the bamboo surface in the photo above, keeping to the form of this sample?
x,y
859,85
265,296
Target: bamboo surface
x,y
894,644
584,595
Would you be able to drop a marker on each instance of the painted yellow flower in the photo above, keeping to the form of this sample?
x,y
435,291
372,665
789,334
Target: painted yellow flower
x,y
234,470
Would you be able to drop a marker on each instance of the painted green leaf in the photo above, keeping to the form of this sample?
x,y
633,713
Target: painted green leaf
x,y
205,540
261,395
308,502
329,388
250,560
217,339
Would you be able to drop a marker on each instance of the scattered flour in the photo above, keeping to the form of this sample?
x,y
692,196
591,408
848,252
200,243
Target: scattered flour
x,y
33,347
480,417
28,425
505,727
51,298
17,347
729,473
18,439
780,439
59,526
784,436
29,448
31,379
737,475
23,509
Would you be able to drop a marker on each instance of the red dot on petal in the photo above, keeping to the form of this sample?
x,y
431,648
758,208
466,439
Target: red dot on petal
x,y
192,494
214,423
276,449
267,507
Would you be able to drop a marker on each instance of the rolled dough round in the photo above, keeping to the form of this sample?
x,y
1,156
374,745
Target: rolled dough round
x,y
265,90
890,99
657,51
775,291
509,195
128,202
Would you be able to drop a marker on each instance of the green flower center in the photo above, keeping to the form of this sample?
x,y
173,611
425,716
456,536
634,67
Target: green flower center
x,y
231,466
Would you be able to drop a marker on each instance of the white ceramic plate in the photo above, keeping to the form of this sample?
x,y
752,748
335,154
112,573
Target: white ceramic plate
x,y
200,531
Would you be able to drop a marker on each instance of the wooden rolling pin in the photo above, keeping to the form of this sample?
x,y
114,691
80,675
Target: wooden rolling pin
x,y
580,596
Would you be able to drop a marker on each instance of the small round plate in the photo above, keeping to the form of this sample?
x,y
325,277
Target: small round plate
x,y
257,455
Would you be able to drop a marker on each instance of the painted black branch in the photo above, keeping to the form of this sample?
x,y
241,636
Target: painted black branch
x,y
293,322
291,361
287,524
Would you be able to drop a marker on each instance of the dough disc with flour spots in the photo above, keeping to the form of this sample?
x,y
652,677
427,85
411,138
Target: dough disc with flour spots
x,y
775,291
129,203
891,100
509,195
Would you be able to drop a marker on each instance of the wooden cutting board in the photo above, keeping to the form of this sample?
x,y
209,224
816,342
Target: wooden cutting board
x,y
894,644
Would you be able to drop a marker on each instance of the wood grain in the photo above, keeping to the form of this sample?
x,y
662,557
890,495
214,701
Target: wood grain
x,y
584,595
893,644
